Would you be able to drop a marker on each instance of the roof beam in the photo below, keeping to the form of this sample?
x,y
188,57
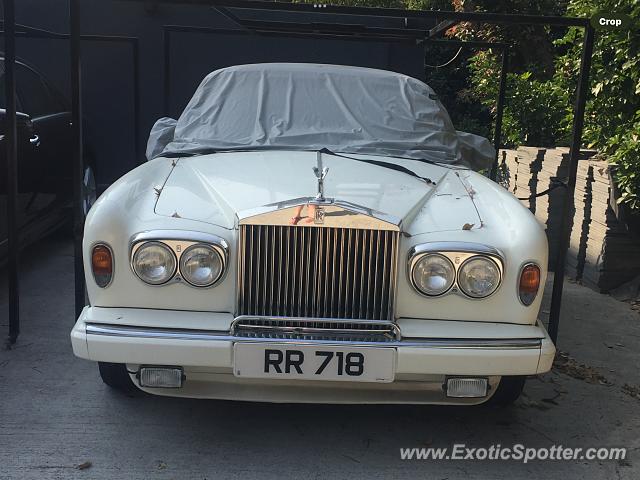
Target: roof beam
x,y
441,28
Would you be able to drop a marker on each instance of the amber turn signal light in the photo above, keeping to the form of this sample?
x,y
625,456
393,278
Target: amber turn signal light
x,y
529,283
102,265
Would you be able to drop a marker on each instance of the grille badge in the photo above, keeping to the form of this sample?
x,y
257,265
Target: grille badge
x,y
318,215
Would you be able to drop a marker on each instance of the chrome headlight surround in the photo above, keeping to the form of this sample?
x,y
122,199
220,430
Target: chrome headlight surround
x,y
179,242
458,253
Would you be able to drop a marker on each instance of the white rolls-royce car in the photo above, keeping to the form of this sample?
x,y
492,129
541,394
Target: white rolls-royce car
x,y
314,233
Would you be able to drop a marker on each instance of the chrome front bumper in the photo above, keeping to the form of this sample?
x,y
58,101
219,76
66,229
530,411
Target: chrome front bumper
x,y
207,355
175,335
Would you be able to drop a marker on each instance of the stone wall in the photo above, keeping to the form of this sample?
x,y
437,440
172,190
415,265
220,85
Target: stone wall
x,y
603,254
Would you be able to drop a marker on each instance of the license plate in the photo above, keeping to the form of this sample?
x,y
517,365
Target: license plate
x,y
314,362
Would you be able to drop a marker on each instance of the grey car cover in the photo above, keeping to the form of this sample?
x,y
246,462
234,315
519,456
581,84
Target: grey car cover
x,y
299,106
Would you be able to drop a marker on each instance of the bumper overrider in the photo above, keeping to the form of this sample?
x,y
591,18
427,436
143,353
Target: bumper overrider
x,y
418,369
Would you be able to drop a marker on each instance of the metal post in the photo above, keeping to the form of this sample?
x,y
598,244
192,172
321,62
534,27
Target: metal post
x,y
11,136
166,38
327,9
136,100
574,154
78,163
497,135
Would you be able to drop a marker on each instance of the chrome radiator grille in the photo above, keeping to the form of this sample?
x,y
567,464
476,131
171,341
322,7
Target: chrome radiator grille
x,y
315,329
317,272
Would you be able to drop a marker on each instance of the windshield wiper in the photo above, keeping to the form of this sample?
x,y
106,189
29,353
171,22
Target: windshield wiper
x,y
451,166
380,163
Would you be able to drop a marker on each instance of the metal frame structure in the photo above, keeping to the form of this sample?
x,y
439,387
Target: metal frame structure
x,y
331,30
503,48
11,31
11,134
25,31
376,35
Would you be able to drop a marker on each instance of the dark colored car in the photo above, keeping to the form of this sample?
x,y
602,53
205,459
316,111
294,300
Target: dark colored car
x,y
45,157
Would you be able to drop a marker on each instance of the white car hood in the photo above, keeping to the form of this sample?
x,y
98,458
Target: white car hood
x,y
214,188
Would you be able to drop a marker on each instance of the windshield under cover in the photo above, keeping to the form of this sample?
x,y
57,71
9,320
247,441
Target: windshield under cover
x,y
310,107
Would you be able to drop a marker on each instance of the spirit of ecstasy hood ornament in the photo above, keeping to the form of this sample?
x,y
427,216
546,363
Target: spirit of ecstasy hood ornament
x,y
320,172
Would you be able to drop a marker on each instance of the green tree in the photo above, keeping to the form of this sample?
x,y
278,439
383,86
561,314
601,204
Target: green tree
x,y
539,108
612,121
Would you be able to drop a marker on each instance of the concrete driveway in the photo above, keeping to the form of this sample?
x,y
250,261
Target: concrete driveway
x,y
57,419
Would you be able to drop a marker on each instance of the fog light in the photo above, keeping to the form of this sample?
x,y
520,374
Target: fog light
x,y
467,387
161,377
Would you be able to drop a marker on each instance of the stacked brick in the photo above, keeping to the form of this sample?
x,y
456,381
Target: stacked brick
x,y
602,253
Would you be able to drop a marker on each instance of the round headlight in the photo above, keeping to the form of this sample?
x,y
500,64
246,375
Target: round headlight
x,y
201,265
479,277
154,263
433,274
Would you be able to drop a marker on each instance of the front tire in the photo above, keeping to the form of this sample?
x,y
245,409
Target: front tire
x,y
115,375
508,391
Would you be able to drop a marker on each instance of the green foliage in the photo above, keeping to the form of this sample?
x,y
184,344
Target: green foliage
x,y
625,156
535,111
452,85
612,123
536,104
539,107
